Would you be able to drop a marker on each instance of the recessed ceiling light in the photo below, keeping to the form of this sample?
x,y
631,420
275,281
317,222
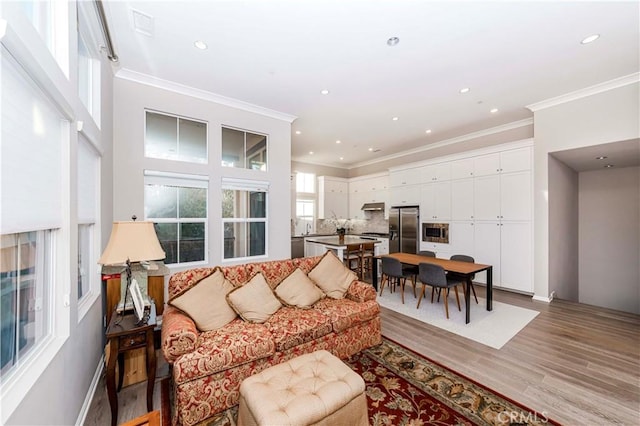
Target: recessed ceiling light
x,y
590,39
464,90
608,166
200,44
370,149
393,41
324,92
338,141
341,158
395,118
428,131
298,132
310,152
494,110
602,157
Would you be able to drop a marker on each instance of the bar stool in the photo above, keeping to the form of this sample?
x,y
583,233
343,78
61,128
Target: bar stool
x,y
367,252
353,258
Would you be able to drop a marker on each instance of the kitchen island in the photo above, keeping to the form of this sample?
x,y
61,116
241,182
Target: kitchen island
x,y
316,246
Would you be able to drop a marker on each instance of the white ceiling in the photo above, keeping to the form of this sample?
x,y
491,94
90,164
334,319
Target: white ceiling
x,y
279,54
617,155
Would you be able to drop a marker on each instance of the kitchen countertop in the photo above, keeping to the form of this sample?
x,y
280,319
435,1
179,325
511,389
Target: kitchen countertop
x,y
334,240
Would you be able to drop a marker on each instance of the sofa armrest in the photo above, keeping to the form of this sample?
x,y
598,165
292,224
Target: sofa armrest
x,y
360,291
179,334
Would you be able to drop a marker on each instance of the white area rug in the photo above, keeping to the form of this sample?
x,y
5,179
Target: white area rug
x,y
492,328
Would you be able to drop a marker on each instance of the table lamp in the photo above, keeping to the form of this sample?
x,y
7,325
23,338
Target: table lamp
x,y
131,242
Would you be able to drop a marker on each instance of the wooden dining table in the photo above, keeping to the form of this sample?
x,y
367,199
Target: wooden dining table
x,y
463,269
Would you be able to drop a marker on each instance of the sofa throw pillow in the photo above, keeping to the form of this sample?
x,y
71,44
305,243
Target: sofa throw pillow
x,y
332,276
298,290
206,302
254,301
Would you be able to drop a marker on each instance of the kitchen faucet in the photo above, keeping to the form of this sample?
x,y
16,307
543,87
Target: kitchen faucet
x,y
308,228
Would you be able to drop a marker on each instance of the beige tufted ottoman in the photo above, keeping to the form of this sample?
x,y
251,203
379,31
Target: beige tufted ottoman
x,y
312,389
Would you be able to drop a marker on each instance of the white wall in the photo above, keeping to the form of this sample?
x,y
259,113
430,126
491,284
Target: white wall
x,y
58,394
131,98
609,116
610,238
563,230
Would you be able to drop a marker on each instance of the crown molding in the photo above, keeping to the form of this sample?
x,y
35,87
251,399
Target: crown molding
x,y
588,91
451,141
127,74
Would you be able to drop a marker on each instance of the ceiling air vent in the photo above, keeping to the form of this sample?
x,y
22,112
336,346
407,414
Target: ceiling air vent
x,y
142,22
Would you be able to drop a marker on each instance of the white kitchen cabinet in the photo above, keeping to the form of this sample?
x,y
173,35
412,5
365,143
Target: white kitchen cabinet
x,y
515,196
516,271
435,201
462,169
462,237
486,197
443,251
405,195
333,198
367,189
436,172
507,247
488,164
412,176
462,196
515,160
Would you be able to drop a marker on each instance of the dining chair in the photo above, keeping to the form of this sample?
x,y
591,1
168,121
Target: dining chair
x,y
465,258
427,253
413,269
393,273
435,276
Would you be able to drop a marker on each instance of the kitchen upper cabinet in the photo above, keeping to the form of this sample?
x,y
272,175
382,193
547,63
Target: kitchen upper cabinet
x,y
405,196
462,169
435,202
356,200
367,189
333,198
462,196
436,172
405,177
515,160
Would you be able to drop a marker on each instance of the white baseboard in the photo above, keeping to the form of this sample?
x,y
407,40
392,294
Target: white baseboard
x,y
82,416
543,299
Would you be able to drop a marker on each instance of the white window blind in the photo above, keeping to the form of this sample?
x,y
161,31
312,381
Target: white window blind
x,y
88,172
33,135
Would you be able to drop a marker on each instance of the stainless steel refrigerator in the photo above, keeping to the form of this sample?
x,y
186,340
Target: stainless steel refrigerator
x,y
403,229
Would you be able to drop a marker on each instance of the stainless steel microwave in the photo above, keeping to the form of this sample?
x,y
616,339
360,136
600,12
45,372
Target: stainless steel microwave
x,y
435,232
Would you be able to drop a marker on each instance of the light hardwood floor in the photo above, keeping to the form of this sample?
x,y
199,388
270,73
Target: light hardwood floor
x,y
577,364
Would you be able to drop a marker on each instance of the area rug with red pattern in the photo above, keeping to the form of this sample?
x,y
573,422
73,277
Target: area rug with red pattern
x,y
405,388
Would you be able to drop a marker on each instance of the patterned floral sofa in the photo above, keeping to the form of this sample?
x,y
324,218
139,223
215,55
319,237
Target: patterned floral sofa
x,y
208,367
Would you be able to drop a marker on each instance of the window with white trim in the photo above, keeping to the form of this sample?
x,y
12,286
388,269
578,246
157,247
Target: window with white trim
x,y
305,203
88,72
26,279
88,191
34,134
177,204
170,137
245,150
51,20
244,218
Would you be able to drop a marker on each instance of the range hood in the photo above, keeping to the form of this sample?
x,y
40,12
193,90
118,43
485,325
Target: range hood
x,y
372,207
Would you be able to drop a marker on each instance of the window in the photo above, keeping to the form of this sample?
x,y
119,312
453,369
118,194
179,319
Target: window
x,y
306,182
305,203
174,138
88,190
178,206
26,279
244,150
89,77
244,218
50,19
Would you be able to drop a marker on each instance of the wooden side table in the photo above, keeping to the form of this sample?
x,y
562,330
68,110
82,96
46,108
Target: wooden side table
x,y
124,334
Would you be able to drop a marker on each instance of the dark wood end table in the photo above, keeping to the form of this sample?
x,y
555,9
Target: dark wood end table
x,y
124,334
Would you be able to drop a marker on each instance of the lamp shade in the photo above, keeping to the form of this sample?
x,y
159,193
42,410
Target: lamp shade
x,y
133,241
